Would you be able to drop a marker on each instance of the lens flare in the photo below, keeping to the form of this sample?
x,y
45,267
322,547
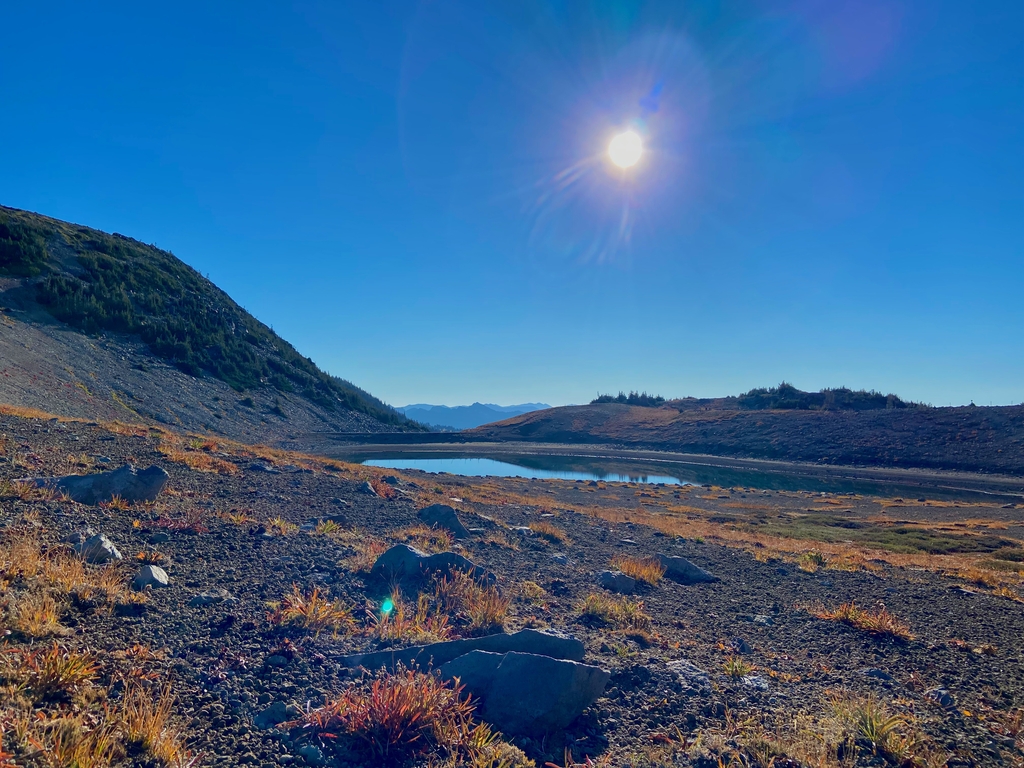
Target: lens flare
x,y
387,606
625,149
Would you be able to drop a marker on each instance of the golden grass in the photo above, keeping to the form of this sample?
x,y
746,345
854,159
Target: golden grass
x,y
620,613
482,606
367,550
649,570
877,621
36,615
736,667
145,717
426,538
421,623
549,531
312,611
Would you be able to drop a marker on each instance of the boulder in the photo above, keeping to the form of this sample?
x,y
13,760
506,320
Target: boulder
x,y
682,570
127,483
366,488
533,641
526,694
403,562
150,576
690,675
443,516
277,713
97,549
616,581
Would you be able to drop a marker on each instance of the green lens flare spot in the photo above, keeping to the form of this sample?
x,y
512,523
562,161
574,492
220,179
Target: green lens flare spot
x,y
387,606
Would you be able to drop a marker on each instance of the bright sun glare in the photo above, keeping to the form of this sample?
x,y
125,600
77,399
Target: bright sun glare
x,y
625,149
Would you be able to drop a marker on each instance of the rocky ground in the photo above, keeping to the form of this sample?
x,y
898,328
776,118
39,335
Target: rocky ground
x,y
740,671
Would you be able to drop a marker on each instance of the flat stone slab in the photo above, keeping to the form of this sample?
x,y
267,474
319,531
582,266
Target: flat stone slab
x,y
527,694
127,483
533,641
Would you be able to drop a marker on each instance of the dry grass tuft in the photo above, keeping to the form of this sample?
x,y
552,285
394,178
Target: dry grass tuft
x,y
36,615
426,538
400,716
480,606
52,673
367,550
621,613
552,533
280,527
877,621
812,561
736,667
145,717
404,623
382,489
312,611
649,570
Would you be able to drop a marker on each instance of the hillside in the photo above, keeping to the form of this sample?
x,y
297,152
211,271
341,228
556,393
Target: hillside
x,y
975,439
99,325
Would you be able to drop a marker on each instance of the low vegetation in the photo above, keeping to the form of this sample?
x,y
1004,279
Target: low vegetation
x,y
397,717
617,612
876,621
312,611
648,570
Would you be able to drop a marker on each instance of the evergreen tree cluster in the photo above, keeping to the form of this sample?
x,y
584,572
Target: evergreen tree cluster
x,y
633,398
22,249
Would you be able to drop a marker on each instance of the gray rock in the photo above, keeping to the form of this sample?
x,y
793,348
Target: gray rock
x,y
756,682
277,660
403,562
740,645
443,516
275,714
617,581
258,467
763,620
391,480
690,674
533,641
561,558
312,755
526,694
212,597
97,549
941,696
682,570
81,535
878,674
159,538
128,483
366,488
150,576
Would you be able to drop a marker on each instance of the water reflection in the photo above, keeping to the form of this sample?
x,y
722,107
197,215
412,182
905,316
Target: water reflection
x,y
478,467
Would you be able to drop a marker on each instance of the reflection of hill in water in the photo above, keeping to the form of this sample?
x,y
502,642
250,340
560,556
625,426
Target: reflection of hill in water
x,y
640,471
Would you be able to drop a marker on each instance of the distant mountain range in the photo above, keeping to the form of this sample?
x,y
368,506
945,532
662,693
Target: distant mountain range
x,y
466,416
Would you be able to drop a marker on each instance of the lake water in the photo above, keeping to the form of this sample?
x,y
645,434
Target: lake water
x,y
626,470
478,467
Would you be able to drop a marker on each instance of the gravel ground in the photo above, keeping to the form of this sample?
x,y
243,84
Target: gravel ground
x,y
967,642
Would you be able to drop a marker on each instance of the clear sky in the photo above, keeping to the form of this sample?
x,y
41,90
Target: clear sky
x,y
417,194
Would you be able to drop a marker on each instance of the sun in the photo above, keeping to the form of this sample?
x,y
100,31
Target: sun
x,y
625,149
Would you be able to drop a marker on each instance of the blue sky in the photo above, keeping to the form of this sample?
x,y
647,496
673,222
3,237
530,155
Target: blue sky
x,y
417,194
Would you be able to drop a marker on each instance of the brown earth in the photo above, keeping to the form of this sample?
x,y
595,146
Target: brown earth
x,y
967,439
806,675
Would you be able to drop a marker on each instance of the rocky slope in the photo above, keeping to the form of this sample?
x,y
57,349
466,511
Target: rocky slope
x,y
101,326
